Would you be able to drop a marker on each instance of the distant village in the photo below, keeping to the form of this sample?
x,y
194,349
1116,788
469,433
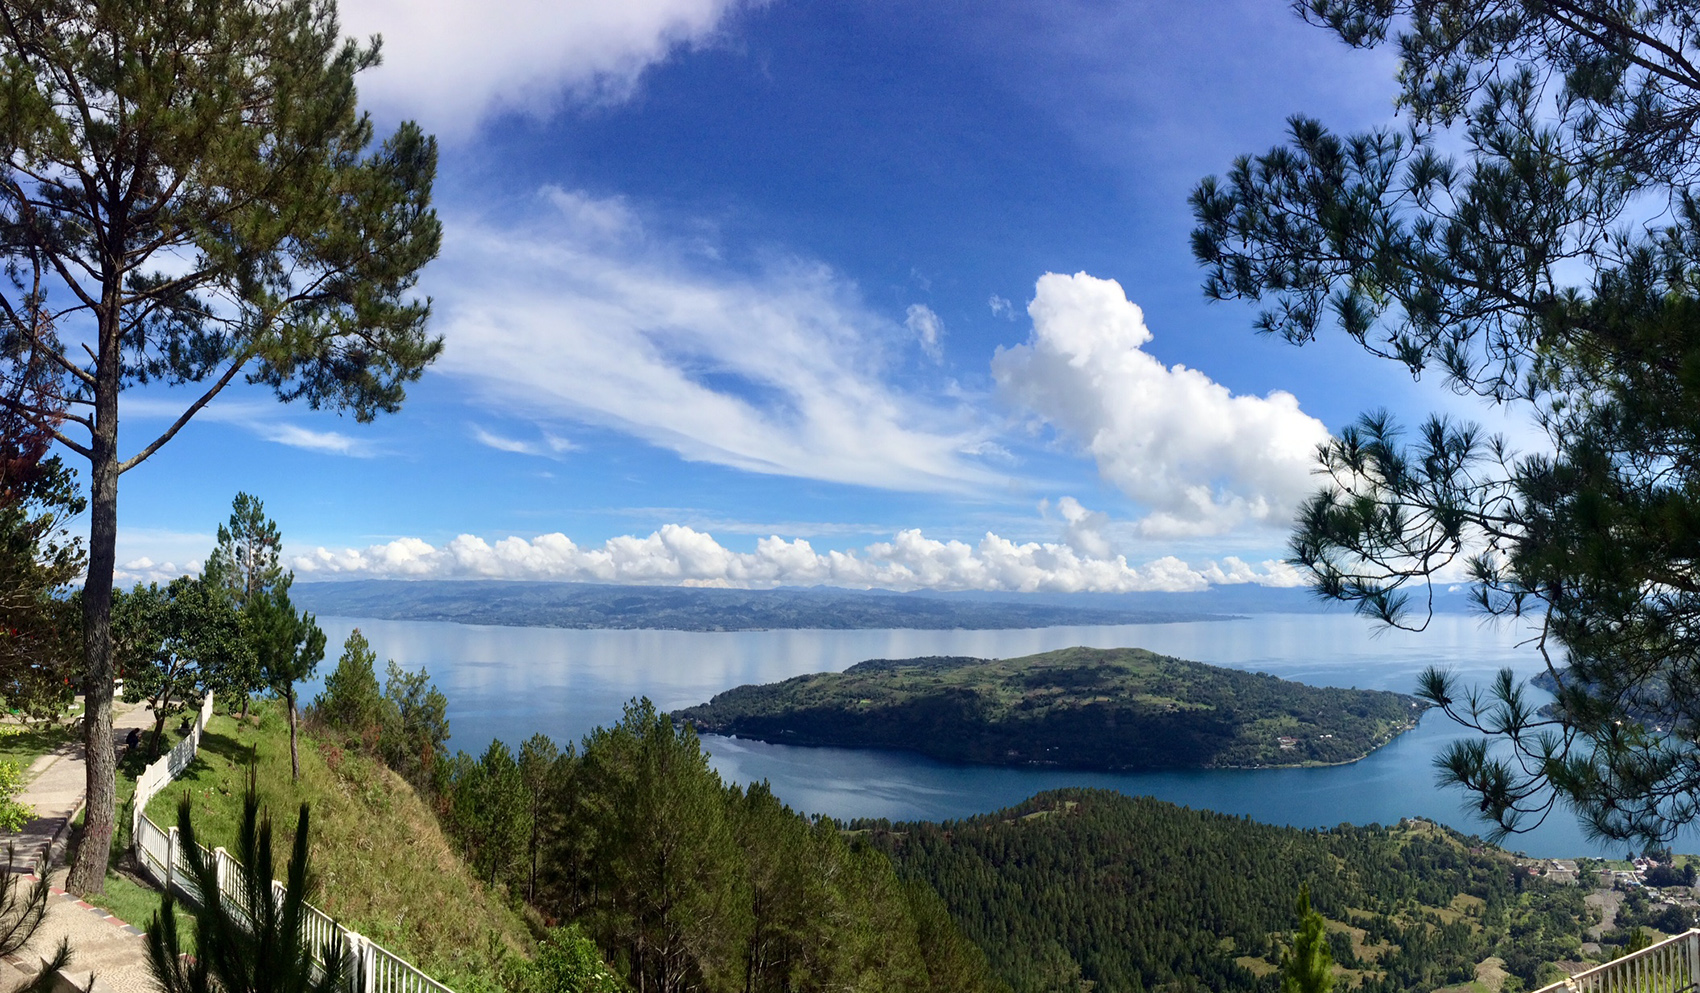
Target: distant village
x,y
1640,871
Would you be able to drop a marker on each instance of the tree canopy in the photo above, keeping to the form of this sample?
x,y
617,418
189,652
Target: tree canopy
x,y
189,195
177,643
1550,264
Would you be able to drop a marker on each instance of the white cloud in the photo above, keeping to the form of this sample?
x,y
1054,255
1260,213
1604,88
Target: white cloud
x,y
295,436
547,447
583,316
1201,459
928,327
145,570
1085,528
260,419
679,555
504,444
1001,307
450,62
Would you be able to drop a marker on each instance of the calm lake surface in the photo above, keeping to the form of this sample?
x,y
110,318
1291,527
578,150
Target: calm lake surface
x,y
508,683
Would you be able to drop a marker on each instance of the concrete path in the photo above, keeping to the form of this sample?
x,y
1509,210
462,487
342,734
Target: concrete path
x,y
53,784
106,950
105,946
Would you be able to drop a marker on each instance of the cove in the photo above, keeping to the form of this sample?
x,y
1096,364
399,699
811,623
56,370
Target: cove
x,y
511,682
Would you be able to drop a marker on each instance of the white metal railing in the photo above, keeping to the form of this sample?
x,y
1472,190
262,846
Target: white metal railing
x,y
160,853
157,775
1671,966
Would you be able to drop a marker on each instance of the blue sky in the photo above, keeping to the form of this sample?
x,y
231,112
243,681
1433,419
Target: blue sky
x,y
757,293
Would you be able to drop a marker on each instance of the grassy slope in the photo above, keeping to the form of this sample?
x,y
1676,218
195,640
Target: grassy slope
x,y
1080,707
382,863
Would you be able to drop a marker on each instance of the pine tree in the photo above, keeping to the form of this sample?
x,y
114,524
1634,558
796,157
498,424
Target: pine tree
x,y
246,558
1308,967
540,767
289,647
1530,234
352,702
191,195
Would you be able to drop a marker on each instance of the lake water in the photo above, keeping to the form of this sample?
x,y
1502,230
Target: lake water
x,y
508,683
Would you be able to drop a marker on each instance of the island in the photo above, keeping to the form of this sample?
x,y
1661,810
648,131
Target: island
x,y
1080,708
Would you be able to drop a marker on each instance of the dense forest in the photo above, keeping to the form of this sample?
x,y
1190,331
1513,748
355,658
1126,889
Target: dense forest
x,y
590,605
1134,894
682,881
1082,708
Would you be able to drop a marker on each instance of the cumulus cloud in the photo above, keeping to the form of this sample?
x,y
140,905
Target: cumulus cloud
x,y
1200,458
1001,307
928,328
680,555
1084,530
145,570
450,62
585,316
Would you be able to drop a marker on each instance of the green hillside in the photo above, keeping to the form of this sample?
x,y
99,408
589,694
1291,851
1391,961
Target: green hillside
x,y
382,863
1132,894
1082,708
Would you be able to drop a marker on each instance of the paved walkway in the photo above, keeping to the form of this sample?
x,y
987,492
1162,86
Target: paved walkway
x,y
104,946
54,783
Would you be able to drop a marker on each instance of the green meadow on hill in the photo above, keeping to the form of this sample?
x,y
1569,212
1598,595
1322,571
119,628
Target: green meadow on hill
x,y
383,865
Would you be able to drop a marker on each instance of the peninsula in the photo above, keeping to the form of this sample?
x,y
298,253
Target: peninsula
x,y
1082,708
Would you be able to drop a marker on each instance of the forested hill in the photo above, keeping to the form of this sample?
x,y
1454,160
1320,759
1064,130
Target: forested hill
x,y
1079,708
587,605
1135,894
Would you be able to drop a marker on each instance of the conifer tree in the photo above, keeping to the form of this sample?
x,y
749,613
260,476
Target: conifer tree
x,y
190,195
352,702
539,767
245,560
1530,235
289,647
1308,967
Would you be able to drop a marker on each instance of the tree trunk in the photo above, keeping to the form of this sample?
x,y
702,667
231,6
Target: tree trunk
x,y
294,755
88,870
158,732
159,708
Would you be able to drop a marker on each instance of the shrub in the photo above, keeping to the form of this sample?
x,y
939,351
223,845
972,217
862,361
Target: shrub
x,y
13,815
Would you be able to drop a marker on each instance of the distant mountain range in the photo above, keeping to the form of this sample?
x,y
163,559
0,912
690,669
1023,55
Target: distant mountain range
x,y
585,605
590,605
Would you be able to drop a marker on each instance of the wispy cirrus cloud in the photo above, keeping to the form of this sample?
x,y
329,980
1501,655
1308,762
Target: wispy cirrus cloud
x,y
259,418
586,316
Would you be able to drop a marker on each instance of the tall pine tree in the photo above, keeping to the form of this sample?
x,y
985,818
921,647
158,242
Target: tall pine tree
x,y
190,194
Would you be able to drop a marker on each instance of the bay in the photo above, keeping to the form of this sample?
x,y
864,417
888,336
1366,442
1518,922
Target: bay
x,y
511,682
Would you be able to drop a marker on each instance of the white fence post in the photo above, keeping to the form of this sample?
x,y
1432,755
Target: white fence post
x,y
170,857
225,866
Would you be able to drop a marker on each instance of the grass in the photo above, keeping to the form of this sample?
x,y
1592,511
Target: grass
x,y
382,864
31,741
